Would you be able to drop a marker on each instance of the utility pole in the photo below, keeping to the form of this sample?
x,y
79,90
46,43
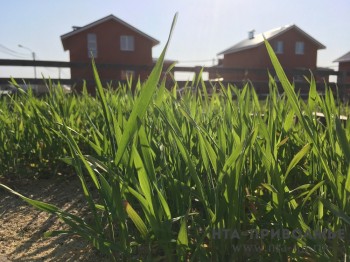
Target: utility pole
x,y
33,56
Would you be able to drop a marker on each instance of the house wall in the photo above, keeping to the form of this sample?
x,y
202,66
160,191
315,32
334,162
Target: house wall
x,y
344,67
247,62
257,58
289,59
108,51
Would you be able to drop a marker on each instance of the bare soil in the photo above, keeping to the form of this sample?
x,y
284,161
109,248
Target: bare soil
x,y
22,226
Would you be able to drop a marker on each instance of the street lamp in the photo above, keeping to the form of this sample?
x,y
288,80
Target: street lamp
x,y
33,56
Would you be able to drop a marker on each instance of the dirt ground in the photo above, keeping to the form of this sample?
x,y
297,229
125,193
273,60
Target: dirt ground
x,y
22,226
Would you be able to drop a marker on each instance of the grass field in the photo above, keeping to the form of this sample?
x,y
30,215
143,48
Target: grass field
x,y
194,177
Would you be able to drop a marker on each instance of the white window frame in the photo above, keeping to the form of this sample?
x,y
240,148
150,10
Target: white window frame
x,y
127,74
279,47
92,45
299,48
127,43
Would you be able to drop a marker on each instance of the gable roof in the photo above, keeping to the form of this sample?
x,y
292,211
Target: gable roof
x,y
259,39
77,30
344,58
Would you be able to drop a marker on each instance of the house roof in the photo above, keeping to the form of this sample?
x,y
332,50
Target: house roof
x,y
77,30
344,58
259,39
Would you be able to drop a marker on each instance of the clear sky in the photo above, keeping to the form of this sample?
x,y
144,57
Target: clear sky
x,y
204,27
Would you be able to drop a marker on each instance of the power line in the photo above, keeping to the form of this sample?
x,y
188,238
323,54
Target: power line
x,y
11,54
10,51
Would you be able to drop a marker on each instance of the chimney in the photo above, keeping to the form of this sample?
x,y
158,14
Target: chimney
x,y
76,27
251,34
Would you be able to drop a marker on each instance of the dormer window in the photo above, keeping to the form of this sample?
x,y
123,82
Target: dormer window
x,y
92,45
279,47
127,43
299,48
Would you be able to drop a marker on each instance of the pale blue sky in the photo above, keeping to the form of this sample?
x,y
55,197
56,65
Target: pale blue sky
x,y
204,27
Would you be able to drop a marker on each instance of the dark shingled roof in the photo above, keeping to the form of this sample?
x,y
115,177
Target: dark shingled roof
x,y
259,39
110,17
344,58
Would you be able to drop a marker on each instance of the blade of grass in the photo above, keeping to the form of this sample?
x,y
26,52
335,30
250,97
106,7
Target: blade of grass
x,y
143,100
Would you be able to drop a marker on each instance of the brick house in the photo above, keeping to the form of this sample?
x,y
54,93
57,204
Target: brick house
x,y
295,49
344,68
110,41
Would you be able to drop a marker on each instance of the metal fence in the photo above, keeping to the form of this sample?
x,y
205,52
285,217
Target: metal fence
x,y
260,86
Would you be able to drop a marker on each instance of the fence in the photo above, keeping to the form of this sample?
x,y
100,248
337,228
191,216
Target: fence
x,y
260,86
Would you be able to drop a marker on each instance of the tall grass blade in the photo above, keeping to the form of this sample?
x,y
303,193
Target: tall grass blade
x,y
143,100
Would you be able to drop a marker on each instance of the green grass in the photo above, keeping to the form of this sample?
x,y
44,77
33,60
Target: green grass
x,y
171,172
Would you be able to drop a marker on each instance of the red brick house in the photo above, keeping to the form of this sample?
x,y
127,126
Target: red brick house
x,y
110,41
295,49
344,68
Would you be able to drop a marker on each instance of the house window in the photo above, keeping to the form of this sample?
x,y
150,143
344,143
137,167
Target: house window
x,y
127,74
279,47
92,45
299,48
127,43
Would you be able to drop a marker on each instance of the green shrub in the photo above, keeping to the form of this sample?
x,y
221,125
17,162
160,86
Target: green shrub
x,y
194,177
